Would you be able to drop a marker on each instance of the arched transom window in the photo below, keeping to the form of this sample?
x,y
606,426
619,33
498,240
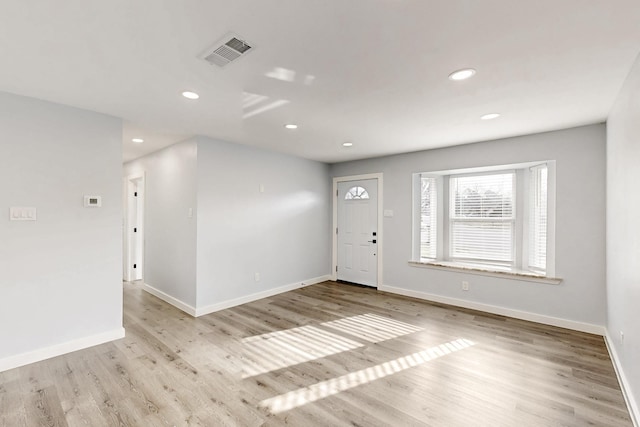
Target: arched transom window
x,y
356,193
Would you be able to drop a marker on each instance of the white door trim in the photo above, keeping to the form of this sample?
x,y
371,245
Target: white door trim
x,y
334,250
127,226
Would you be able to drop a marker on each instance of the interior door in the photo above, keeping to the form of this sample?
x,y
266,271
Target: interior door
x,y
357,232
135,212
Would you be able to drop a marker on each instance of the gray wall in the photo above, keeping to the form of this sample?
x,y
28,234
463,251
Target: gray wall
x,y
281,233
236,230
623,230
580,223
169,233
60,276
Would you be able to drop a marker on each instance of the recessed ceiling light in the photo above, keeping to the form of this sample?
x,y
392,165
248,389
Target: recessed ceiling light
x,y
490,116
462,74
291,126
190,95
137,140
347,144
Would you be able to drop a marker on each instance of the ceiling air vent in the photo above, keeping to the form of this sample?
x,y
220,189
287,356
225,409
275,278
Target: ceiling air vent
x,y
228,49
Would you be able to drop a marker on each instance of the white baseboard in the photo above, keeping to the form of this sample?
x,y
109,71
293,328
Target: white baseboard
x,y
169,299
632,405
517,314
201,311
59,349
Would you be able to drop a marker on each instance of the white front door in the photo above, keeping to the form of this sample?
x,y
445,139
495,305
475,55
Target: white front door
x,y
357,231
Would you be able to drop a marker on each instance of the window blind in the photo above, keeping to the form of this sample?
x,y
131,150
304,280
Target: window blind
x,y
538,218
428,218
482,220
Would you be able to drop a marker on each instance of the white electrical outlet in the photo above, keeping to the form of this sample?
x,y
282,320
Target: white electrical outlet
x,y
256,276
465,285
621,336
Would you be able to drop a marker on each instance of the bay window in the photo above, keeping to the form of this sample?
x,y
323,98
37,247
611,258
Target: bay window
x,y
495,218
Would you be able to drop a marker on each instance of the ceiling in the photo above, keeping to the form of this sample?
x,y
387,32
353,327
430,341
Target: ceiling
x,y
371,72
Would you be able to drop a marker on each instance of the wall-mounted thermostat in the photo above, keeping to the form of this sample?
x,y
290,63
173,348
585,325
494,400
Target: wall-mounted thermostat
x,y
92,201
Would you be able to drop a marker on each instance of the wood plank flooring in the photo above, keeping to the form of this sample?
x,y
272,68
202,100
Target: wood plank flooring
x,y
325,355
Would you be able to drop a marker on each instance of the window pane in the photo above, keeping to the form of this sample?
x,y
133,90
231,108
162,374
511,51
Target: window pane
x,y
482,217
356,193
538,219
482,241
483,196
428,218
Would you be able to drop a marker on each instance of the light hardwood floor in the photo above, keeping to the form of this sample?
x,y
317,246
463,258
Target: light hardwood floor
x,y
329,354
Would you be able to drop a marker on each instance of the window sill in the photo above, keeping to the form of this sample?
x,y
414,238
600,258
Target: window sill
x,y
462,268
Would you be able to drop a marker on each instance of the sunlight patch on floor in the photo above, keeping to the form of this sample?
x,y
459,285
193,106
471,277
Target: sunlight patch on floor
x,y
371,327
277,350
327,388
281,349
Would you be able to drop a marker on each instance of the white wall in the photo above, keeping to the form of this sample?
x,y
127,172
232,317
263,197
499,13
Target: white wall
x,y
209,261
580,224
623,232
281,233
60,276
169,233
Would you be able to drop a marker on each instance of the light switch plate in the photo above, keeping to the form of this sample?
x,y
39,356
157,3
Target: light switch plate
x,y
22,213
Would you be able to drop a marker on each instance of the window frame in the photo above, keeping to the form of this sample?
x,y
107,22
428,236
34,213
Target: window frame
x,y
550,269
521,228
356,193
451,219
434,194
